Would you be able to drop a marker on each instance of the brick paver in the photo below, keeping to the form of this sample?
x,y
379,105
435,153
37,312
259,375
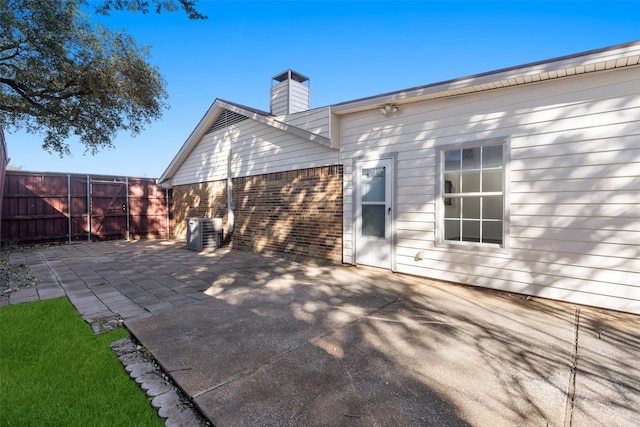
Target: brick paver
x,y
115,279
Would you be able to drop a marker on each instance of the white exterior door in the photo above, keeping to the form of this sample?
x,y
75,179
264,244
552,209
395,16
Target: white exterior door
x,y
374,213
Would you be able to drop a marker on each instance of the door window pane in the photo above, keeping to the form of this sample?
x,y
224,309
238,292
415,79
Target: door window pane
x,y
373,185
373,217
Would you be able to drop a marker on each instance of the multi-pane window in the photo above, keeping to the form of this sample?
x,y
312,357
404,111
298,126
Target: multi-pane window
x,y
473,194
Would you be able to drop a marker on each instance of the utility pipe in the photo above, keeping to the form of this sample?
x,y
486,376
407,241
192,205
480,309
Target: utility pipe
x,y
230,205
166,196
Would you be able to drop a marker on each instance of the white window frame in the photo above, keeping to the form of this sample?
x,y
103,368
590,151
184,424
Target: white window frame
x,y
440,196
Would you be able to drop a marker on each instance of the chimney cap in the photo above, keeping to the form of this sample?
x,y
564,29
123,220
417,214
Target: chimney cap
x,y
290,75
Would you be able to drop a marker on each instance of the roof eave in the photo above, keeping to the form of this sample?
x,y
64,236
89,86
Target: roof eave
x,y
591,61
205,123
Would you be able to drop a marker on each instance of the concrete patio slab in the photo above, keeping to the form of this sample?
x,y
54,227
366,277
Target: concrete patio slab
x,y
420,354
256,340
607,379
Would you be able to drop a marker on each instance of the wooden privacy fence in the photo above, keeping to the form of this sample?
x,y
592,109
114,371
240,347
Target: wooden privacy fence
x,y
46,207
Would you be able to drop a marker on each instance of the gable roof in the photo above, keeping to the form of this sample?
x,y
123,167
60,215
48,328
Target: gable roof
x,y
608,58
219,110
619,56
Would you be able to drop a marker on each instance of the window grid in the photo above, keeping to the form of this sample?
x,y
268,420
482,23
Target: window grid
x,y
453,195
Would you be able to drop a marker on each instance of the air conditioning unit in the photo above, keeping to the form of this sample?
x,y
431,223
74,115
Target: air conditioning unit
x,y
204,233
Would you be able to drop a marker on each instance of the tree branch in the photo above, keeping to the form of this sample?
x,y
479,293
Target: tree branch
x,y
142,6
61,74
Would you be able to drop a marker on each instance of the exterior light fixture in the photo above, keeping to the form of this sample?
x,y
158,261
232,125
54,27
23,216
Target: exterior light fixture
x,y
388,109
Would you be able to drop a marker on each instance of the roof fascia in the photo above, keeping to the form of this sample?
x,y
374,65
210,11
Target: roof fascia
x,y
205,123
596,60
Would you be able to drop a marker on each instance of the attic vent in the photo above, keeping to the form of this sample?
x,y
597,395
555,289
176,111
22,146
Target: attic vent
x,y
227,118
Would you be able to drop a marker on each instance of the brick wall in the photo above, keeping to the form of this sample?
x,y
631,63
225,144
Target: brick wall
x,y
298,213
205,199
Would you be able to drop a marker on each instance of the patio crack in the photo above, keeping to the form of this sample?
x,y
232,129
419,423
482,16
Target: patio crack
x,y
281,355
571,391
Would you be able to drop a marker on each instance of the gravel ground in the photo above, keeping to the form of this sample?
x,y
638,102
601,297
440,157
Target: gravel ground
x,y
14,276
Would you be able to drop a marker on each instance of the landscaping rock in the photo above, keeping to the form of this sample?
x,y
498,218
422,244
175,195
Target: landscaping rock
x,y
166,404
155,385
166,398
125,345
131,358
137,369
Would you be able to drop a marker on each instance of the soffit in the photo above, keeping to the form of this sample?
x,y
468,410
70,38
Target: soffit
x,y
589,62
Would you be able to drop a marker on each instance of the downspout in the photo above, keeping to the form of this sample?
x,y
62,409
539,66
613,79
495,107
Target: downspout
x,y
166,196
230,205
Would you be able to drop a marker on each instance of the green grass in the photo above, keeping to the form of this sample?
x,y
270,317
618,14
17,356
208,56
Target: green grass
x,y
55,372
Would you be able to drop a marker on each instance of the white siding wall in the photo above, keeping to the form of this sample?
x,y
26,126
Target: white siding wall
x,y
575,185
316,121
280,98
289,96
208,160
256,149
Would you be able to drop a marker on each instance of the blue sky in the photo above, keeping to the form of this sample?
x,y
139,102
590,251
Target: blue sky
x,y
349,50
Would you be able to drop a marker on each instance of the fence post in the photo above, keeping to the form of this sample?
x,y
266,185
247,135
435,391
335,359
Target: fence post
x,y
69,206
128,236
88,208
